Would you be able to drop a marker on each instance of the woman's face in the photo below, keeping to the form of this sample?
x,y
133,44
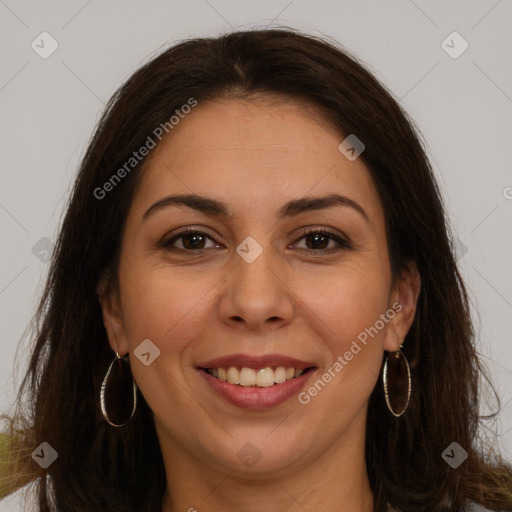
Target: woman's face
x,y
254,291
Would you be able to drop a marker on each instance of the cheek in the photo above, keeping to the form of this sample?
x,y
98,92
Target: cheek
x,y
166,306
347,309
353,333
347,300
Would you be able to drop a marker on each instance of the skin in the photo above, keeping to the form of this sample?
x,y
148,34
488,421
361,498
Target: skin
x,y
293,299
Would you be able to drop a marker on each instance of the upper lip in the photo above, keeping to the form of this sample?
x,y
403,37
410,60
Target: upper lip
x,y
256,362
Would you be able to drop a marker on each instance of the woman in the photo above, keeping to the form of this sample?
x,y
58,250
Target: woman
x,y
253,303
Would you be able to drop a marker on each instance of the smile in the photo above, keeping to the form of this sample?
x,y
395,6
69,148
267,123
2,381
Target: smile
x,y
256,382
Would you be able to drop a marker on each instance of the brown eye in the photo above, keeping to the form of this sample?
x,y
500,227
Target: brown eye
x,y
319,241
323,241
189,240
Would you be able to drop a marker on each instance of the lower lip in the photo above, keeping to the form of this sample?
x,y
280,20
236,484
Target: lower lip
x,y
254,397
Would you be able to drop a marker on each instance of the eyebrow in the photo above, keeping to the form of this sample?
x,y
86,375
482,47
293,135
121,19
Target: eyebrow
x,y
219,209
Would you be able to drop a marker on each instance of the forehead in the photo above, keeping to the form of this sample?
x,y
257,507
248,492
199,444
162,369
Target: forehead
x,y
259,153
265,128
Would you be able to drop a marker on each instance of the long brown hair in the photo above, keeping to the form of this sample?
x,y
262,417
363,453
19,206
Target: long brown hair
x,y
103,468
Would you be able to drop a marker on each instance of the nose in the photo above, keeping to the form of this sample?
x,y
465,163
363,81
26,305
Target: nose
x,y
257,296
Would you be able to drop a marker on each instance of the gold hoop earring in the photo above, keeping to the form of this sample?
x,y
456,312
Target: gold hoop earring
x,y
117,405
396,378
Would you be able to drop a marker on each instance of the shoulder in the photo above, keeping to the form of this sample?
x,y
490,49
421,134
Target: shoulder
x,y
23,500
475,507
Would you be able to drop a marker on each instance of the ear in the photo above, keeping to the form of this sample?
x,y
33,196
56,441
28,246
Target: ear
x,y
108,296
403,300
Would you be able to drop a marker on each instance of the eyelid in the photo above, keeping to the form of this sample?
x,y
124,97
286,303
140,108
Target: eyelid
x,y
321,229
177,234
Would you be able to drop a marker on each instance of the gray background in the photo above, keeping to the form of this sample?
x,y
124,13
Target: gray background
x,y
462,106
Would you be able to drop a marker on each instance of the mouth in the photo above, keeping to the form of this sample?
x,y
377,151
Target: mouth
x,y
256,382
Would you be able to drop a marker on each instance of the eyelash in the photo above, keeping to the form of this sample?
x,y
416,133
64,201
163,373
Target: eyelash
x,y
342,243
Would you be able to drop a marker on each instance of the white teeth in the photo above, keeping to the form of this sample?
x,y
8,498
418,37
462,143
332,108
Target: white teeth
x,y
247,377
263,378
233,375
280,375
